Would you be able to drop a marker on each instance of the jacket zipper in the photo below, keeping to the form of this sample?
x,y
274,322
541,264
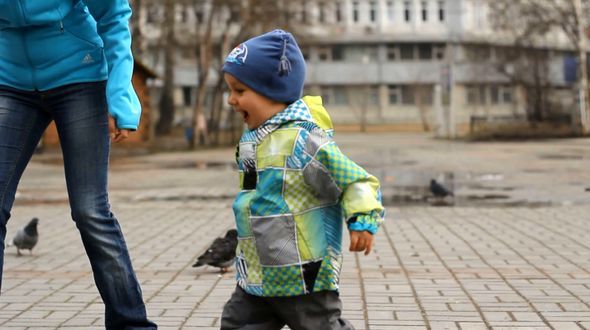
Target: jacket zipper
x,y
25,46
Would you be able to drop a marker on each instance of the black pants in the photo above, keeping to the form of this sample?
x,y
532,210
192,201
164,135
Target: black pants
x,y
315,311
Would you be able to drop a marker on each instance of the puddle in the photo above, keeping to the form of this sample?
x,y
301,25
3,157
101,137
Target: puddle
x,y
561,157
412,188
477,186
175,165
132,164
202,165
486,197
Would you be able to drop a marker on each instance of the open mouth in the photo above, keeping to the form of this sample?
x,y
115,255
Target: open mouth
x,y
245,115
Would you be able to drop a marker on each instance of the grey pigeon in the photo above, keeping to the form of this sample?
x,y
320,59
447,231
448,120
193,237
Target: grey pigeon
x,y
26,237
438,190
221,253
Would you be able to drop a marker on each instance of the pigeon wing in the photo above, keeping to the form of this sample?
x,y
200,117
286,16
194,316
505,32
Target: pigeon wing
x,y
24,241
221,252
209,255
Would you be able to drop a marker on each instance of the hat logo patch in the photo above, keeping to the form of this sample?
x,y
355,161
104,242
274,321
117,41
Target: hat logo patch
x,y
238,55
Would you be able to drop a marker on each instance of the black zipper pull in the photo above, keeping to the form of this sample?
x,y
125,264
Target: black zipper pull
x,y
61,26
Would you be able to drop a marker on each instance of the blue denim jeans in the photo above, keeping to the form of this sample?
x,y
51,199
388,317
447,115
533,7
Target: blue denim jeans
x,y
80,114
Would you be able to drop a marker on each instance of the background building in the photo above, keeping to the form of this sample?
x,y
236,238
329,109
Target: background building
x,y
440,65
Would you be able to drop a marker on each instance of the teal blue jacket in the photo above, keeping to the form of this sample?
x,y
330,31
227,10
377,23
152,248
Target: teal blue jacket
x,y
50,43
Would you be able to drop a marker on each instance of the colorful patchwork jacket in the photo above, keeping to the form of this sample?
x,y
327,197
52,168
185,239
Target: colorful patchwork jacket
x,y
297,188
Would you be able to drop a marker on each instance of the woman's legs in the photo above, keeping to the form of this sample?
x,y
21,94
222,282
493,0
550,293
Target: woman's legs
x,y
80,114
22,122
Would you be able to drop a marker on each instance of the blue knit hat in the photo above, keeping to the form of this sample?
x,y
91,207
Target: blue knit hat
x,y
271,64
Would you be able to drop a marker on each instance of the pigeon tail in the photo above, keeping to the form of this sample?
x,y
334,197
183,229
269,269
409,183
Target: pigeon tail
x,y
198,264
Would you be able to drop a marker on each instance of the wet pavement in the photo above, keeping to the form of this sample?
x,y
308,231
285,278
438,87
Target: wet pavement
x,y
509,250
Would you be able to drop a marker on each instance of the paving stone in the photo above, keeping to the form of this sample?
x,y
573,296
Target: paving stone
x,y
457,267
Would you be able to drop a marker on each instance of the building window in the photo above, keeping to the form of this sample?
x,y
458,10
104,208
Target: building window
x,y
390,11
501,94
234,14
373,97
424,11
153,14
338,53
304,12
322,12
305,53
355,11
199,16
498,94
441,11
506,93
372,53
393,53
477,94
408,95
395,94
425,52
424,94
187,96
181,14
407,11
439,52
373,11
340,96
478,52
334,95
407,52
327,95
324,54
338,11
495,94
482,94
472,95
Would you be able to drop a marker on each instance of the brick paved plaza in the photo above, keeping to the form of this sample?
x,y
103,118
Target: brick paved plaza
x,y
518,262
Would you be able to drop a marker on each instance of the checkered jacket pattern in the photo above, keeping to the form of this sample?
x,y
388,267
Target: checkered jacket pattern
x,y
297,189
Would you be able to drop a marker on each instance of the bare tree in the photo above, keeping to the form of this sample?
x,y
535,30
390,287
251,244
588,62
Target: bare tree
x,y
167,107
528,23
226,23
204,45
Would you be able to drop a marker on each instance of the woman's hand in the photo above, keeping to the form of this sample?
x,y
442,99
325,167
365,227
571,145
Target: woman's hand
x,y
115,133
361,241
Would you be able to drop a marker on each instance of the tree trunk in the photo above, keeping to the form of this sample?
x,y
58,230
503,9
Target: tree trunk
x,y
219,90
419,95
167,107
136,39
200,136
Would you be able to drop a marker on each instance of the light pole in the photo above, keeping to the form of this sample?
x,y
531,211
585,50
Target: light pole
x,y
583,77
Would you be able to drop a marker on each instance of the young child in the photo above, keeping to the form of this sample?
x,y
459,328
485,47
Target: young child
x,y
296,190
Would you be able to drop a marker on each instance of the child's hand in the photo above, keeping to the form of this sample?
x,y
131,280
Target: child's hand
x,y
361,241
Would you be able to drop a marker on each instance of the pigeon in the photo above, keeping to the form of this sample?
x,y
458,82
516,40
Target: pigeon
x,y
221,253
26,237
438,190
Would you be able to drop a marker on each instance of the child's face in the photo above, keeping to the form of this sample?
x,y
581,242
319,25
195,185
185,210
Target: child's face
x,y
254,108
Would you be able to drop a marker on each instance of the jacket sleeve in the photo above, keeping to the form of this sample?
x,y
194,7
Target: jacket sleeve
x,y
335,177
112,17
